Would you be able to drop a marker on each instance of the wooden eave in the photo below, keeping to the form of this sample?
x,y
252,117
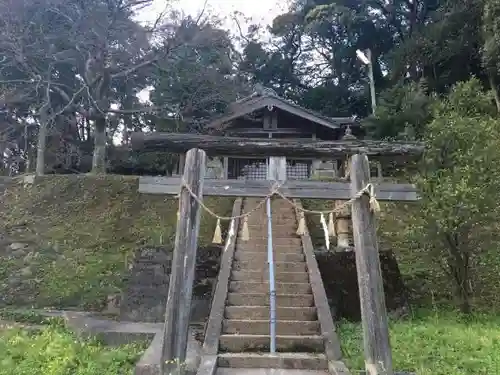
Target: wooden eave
x,y
254,104
239,146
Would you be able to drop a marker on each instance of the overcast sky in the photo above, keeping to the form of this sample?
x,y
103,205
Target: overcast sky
x,y
261,11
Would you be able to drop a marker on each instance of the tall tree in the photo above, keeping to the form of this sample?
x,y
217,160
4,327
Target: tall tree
x,y
458,184
410,40
197,81
110,49
33,66
89,55
403,108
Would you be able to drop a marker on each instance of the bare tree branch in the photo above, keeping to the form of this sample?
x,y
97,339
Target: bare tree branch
x,y
133,69
198,19
140,110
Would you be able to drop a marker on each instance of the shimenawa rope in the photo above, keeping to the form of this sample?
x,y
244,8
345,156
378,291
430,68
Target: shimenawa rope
x,y
329,228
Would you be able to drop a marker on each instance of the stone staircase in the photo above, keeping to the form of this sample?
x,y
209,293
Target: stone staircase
x,y
245,339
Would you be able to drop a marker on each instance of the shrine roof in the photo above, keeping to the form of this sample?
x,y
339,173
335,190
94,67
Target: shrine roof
x,y
265,97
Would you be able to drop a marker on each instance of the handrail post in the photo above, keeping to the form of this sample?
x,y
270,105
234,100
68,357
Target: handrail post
x,y
272,287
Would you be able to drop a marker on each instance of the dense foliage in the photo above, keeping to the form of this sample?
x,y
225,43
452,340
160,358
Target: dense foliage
x,y
457,182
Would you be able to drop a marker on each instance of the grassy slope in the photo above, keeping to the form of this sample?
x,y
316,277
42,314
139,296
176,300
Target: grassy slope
x,y
86,229
434,341
54,351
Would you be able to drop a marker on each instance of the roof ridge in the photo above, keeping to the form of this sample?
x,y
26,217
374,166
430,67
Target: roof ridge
x,y
312,111
260,93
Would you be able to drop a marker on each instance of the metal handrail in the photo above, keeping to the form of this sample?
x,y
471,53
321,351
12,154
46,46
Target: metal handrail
x,y
272,286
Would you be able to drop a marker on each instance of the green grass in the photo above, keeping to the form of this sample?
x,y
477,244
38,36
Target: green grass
x,y
436,339
437,343
55,351
82,232
29,317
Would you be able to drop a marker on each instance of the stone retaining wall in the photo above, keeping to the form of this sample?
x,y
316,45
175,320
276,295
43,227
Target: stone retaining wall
x,y
145,296
338,271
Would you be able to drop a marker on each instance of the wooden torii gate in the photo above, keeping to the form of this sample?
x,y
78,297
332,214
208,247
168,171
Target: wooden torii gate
x,y
192,186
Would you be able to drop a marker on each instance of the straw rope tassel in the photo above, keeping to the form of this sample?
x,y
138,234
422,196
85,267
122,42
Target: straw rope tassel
x,y
245,235
325,231
301,229
374,205
331,226
217,234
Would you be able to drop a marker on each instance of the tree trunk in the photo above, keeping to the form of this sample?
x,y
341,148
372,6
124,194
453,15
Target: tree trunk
x,y
465,290
99,156
465,306
30,165
494,88
3,166
460,271
413,18
40,150
41,143
29,153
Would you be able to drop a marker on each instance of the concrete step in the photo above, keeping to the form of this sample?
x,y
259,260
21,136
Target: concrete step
x,y
262,327
288,228
281,204
261,256
278,266
288,361
303,314
278,211
267,371
260,237
260,287
261,343
263,275
283,217
262,299
280,232
262,248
